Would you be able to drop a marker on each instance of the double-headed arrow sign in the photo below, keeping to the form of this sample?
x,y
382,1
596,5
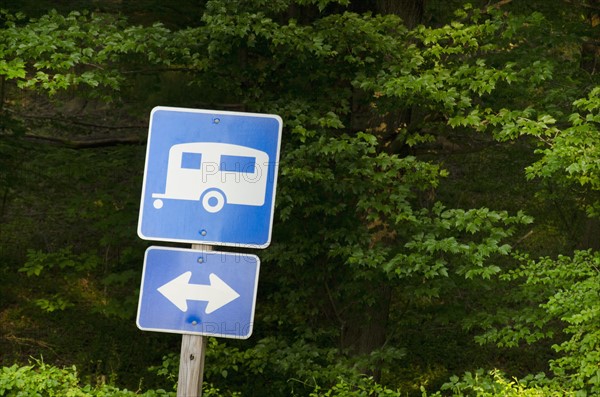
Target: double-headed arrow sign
x,y
198,292
217,294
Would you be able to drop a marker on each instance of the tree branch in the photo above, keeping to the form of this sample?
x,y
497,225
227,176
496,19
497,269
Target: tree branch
x,y
87,143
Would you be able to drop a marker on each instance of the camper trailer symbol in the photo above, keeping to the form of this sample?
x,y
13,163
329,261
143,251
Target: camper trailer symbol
x,y
216,174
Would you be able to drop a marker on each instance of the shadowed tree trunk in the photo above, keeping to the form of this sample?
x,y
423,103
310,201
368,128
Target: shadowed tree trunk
x,y
366,325
411,11
590,49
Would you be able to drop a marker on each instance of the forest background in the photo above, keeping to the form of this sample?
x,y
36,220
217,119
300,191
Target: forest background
x,y
436,227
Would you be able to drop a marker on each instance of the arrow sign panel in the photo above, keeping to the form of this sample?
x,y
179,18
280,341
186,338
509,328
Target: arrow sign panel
x,y
189,291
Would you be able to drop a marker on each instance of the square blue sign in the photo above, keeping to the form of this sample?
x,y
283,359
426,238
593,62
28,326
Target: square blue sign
x,y
197,292
210,177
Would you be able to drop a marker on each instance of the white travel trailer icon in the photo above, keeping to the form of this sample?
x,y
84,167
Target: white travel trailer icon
x,y
216,174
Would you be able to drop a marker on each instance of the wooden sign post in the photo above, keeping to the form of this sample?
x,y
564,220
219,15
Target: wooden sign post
x,y
191,366
191,359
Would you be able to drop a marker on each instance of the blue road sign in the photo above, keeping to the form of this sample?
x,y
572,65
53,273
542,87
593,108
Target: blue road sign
x,y
210,177
187,291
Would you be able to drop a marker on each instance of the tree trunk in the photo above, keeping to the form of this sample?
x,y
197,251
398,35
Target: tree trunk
x,y
411,11
366,328
590,49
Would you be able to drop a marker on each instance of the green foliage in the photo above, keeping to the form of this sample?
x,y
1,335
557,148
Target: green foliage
x,y
55,52
362,243
570,155
495,384
75,270
64,258
563,296
272,365
566,288
41,379
362,387
448,74
558,297
478,384
431,252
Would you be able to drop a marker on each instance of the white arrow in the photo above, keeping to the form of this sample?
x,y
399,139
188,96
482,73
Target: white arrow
x,y
179,290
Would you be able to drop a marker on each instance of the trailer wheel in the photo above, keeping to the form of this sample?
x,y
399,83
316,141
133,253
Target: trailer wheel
x,y
213,201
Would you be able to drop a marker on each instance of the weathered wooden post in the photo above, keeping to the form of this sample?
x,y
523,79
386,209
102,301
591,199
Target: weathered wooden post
x,y
191,366
191,359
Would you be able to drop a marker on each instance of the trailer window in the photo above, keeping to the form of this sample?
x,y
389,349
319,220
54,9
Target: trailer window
x,y
238,164
192,161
